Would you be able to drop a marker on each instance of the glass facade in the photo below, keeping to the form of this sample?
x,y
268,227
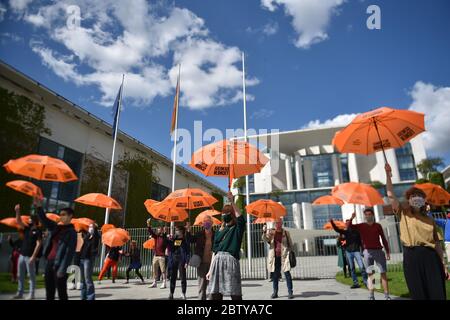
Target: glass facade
x,y
321,170
159,192
406,163
60,195
344,168
323,214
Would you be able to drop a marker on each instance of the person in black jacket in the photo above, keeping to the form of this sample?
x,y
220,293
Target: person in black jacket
x,y
88,253
59,249
135,261
179,254
352,252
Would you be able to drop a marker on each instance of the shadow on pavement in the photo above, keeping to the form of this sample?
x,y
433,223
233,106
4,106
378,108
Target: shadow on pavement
x,y
311,294
248,285
116,287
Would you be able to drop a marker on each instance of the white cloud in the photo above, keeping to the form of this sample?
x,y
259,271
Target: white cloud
x,y
262,114
2,12
270,28
338,121
310,18
19,5
134,37
435,103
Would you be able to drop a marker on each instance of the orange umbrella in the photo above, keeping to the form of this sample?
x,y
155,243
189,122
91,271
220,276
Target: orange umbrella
x,y
212,212
115,237
378,130
338,223
436,195
148,203
107,227
41,168
328,200
231,159
99,200
357,193
25,187
264,220
11,222
189,198
201,216
82,223
53,216
266,208
149,244
165,212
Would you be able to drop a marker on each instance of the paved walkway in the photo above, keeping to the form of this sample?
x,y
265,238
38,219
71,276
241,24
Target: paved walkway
x,y
252,289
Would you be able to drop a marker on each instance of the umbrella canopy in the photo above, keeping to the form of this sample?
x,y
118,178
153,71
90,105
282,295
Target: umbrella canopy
x,y
107,227
148,204
25,187
338,223
436,195
115,237
199,219
11,222
98,200
149,244
378,130
212,212
264,220
189,198
53,216
165,212
266,208
41,168
357,193
82,224
231,159
328,200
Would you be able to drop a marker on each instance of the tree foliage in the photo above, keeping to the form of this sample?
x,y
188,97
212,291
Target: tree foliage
x,y
427,166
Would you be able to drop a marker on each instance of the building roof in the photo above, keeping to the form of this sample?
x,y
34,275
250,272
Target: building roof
x,y
42,93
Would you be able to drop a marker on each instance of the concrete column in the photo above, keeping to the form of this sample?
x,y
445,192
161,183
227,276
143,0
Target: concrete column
x,y
296,211
299,172
335,166
308,222
307,171
289,184
378,210
353,168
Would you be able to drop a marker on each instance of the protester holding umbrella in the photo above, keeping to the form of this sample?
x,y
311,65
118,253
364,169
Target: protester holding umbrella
x,y
31,244
135,261
224,275
159,257
423,259
111,261
88,253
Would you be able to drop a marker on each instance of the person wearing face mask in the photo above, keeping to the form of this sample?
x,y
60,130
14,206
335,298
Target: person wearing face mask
x,y
370,233
88,253
159,258
424,265
179,254
203,248
224,274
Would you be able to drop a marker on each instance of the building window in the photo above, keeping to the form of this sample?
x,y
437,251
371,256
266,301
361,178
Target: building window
x,y
344,167
323,214
159,192
322,170
406,163
60,195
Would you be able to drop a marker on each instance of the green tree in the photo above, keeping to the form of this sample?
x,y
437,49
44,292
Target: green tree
x,y
437,178
377,184
427,166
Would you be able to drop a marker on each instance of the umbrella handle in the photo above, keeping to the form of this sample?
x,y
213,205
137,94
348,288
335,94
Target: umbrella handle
x,y
379,138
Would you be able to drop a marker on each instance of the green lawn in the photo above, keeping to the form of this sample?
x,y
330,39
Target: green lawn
x,y
397,283
6,286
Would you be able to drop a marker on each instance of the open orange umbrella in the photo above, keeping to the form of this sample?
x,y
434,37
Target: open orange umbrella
x,y
212,212
266,208
228,158
378,130
41,168
53,216
12,222
357,193
436,195
201,216
264,220
190,198
107,227
25,187
338,223
328,200
165,212
82,223
115,237
98,200
148,203
149,244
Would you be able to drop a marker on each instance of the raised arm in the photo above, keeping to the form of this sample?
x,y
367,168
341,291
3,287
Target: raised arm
x,y
18,219
390,189
350,221
340,231
149,228
49,224
235,207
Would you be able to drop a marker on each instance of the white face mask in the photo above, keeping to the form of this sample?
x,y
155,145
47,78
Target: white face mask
x,y
91,230
416,202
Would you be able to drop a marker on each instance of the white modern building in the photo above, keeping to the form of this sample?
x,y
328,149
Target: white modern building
x,y
304,165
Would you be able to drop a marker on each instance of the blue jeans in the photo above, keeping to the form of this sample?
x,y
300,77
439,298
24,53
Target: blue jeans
x,y
351,256
23,266
87,285
277,273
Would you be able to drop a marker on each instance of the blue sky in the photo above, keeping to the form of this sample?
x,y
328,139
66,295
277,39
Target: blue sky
x,y
308,62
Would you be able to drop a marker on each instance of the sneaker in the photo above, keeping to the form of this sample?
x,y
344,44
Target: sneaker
x,y
387,298
18,296
183,296
126,282
371,297
355,286
171,296
290,296
31,297
163,285
99,282
274,296
114,281
153,285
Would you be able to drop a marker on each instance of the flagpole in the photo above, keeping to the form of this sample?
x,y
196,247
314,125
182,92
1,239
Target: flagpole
x,y
111,170
247,195
174,167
